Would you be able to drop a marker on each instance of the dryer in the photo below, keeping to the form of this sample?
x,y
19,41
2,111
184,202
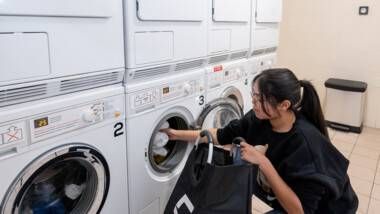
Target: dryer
x,y
228,24
153,169
265,26
164,36
55,38
65,154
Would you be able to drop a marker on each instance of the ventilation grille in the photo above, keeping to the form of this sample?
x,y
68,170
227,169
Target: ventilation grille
x,y
89,82
271,50
264,51
22,94
189,65
217,59
258,52
238,55
151,72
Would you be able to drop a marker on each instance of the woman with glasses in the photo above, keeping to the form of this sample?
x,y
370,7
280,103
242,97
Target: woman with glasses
x,y
301,171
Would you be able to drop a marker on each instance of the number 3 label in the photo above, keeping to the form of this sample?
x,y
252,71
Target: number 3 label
x,y
201,100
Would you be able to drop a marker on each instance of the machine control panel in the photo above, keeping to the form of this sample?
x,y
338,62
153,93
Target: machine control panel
x,y
215,79
93,113
177,90
144,98
55,123
232,74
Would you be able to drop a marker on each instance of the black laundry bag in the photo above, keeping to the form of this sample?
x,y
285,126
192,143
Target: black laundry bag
x,y
211,183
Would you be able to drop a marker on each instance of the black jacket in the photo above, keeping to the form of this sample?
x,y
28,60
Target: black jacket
x,y
305,159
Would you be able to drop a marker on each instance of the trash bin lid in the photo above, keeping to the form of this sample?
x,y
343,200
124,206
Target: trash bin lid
x,y
346,85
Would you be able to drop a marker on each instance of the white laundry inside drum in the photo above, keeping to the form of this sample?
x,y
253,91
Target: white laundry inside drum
x,y
160,140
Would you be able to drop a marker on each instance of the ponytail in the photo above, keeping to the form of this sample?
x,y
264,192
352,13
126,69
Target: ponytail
x,y
311,107
278,84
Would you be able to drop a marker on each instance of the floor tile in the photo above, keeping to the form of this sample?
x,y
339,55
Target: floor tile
x,y
369,130
377,177
363,203
366,152
343,145
363,161
376,192
361,186
374,206
331,133
369,142
361,172
345,154
259,206
346,136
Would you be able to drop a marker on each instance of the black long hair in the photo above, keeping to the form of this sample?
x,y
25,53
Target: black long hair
x,y
279,84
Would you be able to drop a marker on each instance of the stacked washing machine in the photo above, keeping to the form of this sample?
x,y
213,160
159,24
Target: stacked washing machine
x,y
62,107
188,67
166,49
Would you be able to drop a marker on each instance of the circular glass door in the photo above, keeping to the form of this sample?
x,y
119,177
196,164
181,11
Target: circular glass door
x,y
234,94
72,179
219,113
165,155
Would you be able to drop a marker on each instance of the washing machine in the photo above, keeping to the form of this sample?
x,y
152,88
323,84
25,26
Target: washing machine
x,y
65,154
54,38
153,165
226,93
164,36
228,26
266,16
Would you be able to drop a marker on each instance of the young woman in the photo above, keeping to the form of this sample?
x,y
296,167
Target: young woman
x,y
301,171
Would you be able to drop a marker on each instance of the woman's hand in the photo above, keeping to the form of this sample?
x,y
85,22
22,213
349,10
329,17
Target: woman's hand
x,y
172,133
251,154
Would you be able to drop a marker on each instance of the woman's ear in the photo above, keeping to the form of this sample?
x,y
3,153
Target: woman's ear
x,y
284,105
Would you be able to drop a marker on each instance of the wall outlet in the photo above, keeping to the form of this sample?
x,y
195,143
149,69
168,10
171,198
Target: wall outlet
x,y
363,10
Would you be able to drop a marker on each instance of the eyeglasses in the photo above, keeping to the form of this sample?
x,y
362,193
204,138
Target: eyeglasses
x,y
256,97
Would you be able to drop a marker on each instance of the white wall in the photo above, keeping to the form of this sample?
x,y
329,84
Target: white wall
x,y
322,39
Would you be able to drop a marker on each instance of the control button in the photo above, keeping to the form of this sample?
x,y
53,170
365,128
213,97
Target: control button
x,y
89,116
187,88
117,114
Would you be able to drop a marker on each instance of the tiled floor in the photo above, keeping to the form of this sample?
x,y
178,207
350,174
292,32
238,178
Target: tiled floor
x,y
363,151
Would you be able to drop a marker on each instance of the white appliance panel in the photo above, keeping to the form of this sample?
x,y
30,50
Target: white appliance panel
x,y
24,55
81,8
269,11
231,11
59,38
170,10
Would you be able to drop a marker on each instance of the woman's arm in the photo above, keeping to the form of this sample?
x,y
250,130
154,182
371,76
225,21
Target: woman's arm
x,y
189,135
284,194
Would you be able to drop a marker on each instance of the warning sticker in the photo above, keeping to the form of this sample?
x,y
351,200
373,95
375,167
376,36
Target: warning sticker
x,y
12,134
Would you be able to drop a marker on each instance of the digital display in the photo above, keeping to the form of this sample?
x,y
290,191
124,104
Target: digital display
x,y
38,123
165,90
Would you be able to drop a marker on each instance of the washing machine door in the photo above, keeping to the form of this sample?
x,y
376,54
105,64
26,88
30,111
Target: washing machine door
x,y
166,155
234,94
219,113
68,179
